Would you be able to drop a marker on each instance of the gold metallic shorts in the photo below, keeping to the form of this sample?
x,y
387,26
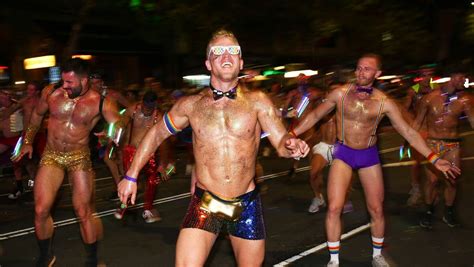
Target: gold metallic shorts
x,y
79,160
442,146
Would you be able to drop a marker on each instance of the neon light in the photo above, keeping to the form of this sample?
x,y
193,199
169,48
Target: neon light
x,y
122,111
39,62
20,82
111,152
84,57
110,131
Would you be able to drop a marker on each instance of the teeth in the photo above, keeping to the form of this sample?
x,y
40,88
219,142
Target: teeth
x,y
226,64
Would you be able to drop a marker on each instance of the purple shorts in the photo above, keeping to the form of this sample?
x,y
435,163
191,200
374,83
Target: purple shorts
x,y
357,158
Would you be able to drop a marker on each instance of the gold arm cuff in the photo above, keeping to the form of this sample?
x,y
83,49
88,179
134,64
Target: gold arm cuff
x,y
30,134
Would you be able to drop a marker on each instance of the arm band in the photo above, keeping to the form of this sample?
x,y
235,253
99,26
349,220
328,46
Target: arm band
x,y
131,179
169,123
30,134
433,158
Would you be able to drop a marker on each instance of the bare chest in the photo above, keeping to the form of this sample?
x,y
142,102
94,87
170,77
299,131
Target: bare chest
x,y
217,120
441,106
79,111
362,111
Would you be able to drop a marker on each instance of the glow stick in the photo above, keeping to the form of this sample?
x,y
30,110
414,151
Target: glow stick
x,y
18,146
111,152
302,105
111,129
263,135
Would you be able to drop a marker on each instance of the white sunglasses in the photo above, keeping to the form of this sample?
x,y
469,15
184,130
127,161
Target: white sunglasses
x,y
220,50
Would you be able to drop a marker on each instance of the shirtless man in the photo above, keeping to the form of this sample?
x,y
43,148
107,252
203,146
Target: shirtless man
x,y
441,110
411,104
73,112
359,109
139,118
227,120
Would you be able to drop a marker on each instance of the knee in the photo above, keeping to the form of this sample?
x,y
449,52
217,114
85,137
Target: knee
x,y
376,211
41,212
83,211
334,209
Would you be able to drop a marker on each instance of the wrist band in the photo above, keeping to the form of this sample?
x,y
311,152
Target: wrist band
x,y
131,179
433,158
30,134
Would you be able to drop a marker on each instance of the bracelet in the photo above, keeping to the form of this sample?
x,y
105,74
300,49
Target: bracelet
x,y
131,179
433,158
30,134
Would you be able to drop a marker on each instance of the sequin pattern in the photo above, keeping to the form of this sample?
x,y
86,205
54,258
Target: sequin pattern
x,y
70,161
249,226
151,169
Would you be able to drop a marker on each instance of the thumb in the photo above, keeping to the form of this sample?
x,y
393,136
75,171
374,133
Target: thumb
x,y
134,195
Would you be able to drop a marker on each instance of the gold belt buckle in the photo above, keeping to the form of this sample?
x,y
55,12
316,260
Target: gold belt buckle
x,y
230,211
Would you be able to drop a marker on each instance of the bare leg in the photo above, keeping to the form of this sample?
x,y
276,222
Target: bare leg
x,y
82,200
47,183
316,176
193,247
372,182
248,252
339,180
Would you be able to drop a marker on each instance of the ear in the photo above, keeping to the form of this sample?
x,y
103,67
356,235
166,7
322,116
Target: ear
x,y
84,81
378,73
241,64
208,65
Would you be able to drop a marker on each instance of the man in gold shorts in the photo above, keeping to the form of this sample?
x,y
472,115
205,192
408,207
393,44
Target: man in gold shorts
x,y
74,110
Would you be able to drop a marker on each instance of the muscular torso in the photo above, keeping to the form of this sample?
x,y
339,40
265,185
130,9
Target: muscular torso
x,y
360,115
71,120
226,135
442,119
140,124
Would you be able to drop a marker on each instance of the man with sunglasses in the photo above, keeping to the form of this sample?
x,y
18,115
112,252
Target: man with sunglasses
x,y
227,120
359,109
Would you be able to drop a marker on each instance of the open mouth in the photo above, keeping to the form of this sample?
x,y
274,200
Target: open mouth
x,y
227,64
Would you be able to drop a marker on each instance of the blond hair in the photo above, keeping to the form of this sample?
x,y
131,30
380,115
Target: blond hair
x,y
219,34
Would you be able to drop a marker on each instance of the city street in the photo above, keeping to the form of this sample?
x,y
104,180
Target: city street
x,y
294,237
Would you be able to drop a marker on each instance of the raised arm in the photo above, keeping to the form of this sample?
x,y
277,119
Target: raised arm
x,y
285,144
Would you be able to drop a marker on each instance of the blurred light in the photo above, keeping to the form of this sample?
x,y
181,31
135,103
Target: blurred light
x,y
54,75
84,57
3,67
387,77
294,74
442,80
197,77
271,72
39,62
330,73
397,80
472,3
259,78
279,68
20,82
467,84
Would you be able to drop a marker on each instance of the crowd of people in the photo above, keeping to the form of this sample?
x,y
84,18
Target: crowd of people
x,y
335,122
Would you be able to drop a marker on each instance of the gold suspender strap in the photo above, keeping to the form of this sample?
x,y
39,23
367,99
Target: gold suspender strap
x,y
377,120
30,134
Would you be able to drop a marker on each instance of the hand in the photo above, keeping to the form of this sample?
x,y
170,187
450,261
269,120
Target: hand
x,y
127,189
297,148
25,149
449,169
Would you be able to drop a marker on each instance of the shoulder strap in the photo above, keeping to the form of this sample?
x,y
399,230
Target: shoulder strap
x,y
342,111
377,120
